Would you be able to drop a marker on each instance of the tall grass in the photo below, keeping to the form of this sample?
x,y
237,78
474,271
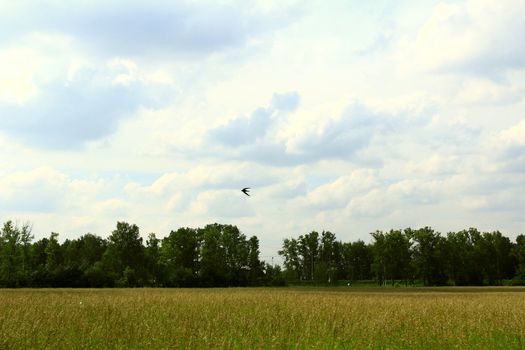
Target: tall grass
x,y
284,318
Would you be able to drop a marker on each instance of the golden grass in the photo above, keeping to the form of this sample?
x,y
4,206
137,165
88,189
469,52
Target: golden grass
x,y
270,318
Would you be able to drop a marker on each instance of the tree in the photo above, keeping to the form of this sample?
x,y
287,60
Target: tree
x,y
292,259
91,248
14,253
39,276
518,252
255,266
179,257
152,256
220,255
328,256
236,254
309,249
90,252
214,269
464,263
25,239
428,255
392,255
125,251
273,275
53,254
357,259
495,254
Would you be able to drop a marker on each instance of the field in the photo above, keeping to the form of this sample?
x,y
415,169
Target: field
x,y
280,318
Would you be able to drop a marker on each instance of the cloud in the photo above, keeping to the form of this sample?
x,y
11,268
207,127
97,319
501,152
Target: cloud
x,y
509,145
17,66
286,102
113,207
48,190
269,137
40,190
242,131
476,37
72,108
176,191
489,93
338,193
139,28
220,204
342,137
351,135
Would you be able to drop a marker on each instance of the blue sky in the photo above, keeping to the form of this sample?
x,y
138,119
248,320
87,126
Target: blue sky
x,y
347,116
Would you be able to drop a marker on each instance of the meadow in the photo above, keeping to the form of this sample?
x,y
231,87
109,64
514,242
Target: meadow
x,y
268,318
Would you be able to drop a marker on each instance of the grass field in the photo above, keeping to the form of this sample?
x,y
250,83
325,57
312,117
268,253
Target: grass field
x,y
280,318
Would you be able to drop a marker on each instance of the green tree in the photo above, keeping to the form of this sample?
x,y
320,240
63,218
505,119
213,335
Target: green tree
x,y
357,259
225,256
214,268
428,255
54,261
392,256
38,257
464,257
273,275
236,251
14,254
518,252
309,250
72,274
328,257
255,266
153,261
495,256
292,259
125,251
53,253
90,250
179,257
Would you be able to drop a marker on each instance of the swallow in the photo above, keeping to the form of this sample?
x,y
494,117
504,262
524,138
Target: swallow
x,y
245,191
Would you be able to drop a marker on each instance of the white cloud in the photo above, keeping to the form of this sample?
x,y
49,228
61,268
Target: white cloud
x,y
509,145
474,37
79,106
112,208
243,130
339,193
218,205
17,66
286,102
514,135
39,190
277,139
154,28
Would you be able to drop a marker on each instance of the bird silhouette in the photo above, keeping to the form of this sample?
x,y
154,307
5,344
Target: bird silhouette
x,y
245,191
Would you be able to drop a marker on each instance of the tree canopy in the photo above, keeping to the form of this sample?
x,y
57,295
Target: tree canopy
x,y
467,257
220,255
216,255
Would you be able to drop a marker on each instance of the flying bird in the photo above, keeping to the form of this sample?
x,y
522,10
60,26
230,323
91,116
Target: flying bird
x,y
245,191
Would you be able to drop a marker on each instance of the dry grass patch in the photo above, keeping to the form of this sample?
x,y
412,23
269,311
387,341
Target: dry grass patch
x,y
263,318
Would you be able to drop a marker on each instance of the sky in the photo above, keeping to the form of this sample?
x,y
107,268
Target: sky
x,y
347,116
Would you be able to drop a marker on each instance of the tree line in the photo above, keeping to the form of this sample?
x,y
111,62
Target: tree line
x,y
467,257
214,256
219,255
